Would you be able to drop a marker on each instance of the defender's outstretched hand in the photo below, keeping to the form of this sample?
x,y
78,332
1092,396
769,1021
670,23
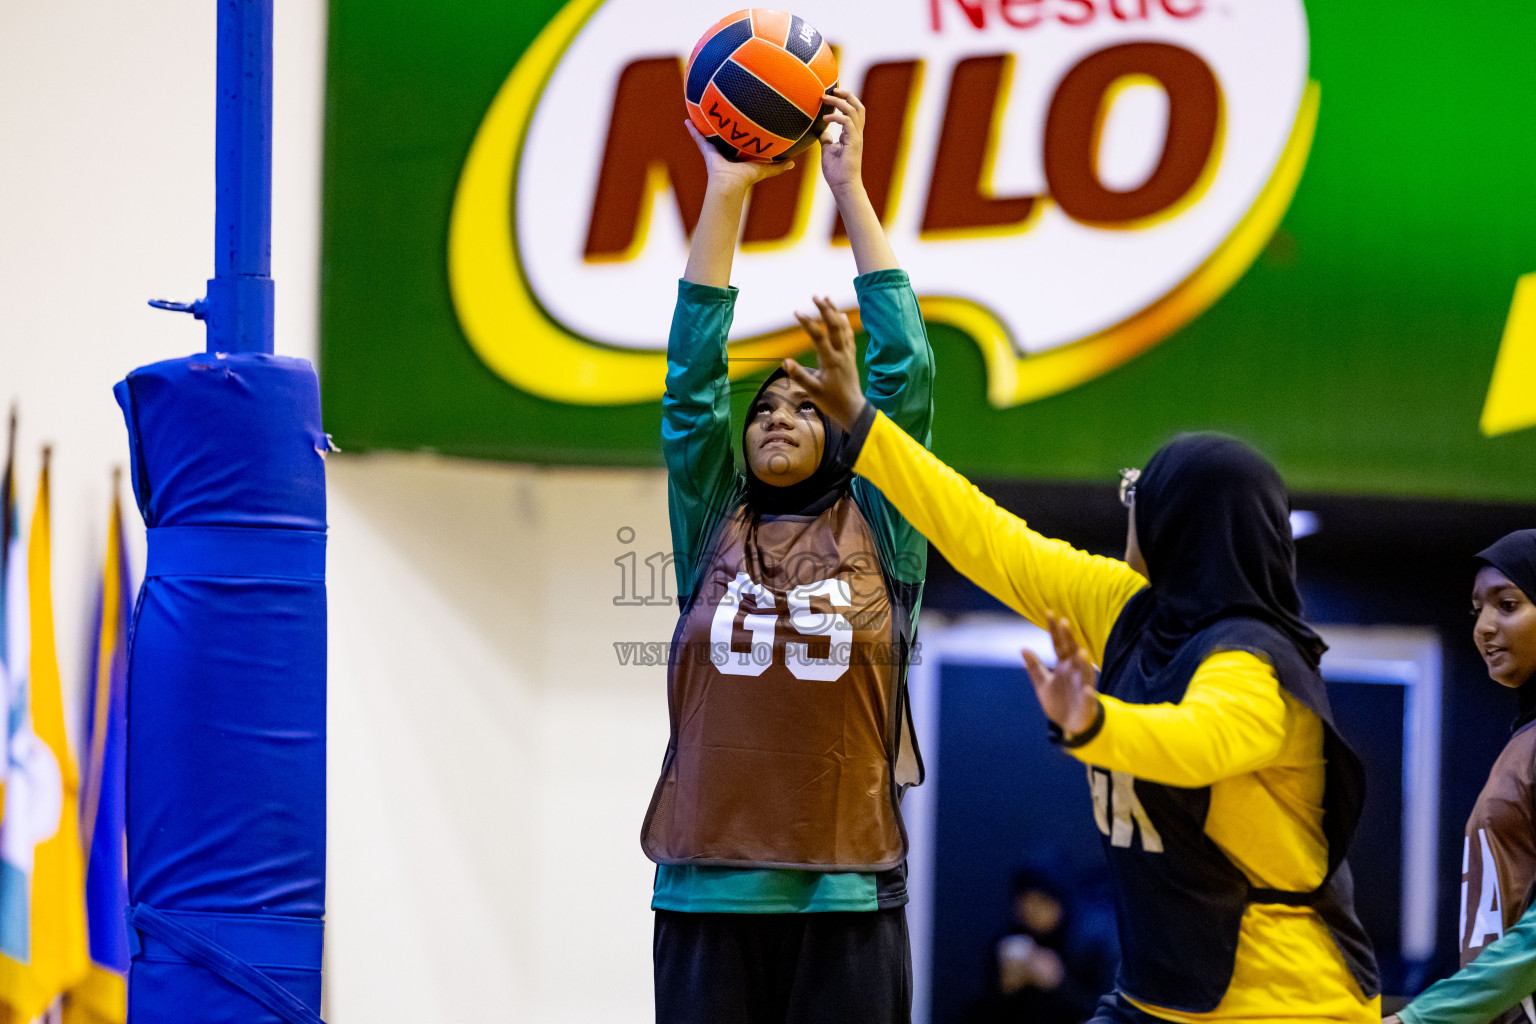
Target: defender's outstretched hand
x,y
1069,693
834,385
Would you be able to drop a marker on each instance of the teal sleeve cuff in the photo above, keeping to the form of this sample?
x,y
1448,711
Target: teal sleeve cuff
x,y
880,279
704,294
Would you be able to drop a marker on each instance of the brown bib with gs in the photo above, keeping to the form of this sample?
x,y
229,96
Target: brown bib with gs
x,y
1498,856
788,708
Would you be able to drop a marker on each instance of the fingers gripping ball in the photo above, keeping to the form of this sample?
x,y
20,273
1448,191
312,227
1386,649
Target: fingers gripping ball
x,y
755,84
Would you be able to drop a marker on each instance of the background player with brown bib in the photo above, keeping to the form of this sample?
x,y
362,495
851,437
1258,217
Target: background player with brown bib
x,y
1498,853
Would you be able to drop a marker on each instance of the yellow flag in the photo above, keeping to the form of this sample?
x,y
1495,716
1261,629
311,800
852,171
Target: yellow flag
x,y
42,906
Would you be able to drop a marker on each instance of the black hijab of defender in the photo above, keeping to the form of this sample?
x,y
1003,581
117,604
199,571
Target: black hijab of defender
x,y
1213,524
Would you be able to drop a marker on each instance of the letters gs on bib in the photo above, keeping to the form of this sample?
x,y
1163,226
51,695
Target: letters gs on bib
x,y
1067,182
810,627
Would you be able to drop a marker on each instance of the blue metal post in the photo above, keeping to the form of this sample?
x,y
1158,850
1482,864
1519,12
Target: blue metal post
x,y
240,296
239,303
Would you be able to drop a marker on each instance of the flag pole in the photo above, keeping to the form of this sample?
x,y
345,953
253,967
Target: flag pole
x,y
7,484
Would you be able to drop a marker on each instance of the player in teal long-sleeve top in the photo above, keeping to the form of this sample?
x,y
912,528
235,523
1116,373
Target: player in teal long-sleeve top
x,y
781,881
1499,981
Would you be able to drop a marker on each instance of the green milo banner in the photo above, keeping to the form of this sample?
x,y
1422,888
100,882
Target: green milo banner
x,y
1309,224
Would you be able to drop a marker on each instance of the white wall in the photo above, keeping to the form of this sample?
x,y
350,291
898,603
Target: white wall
x,y
490,760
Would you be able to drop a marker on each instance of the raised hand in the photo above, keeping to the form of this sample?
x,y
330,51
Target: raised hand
x,y
834,385
733,174
1069,693
842,165
842,161
714,237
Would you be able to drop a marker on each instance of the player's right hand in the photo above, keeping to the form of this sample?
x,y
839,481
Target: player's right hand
x,y
740,174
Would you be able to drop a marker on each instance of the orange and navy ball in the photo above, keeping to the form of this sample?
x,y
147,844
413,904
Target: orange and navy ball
x,y
755,84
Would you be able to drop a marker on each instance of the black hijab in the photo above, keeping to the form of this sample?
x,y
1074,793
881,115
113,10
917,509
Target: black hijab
x,y
1213,523
1514,555
816,493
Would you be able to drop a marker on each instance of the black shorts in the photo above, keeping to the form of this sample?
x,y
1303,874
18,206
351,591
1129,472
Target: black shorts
x,y
837,968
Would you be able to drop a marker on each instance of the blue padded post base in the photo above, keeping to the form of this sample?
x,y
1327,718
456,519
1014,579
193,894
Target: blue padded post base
x,y
226,692
267,958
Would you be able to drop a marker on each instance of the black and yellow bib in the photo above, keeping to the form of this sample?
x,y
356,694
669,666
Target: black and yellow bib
x,y
790,745
1179,899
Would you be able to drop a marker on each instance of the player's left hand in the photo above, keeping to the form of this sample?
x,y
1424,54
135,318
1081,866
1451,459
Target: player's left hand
x,y
834,385
1392,1019
842,161
1068,693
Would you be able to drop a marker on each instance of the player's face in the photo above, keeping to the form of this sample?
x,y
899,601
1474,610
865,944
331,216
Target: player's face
x,y
1505,631
785,436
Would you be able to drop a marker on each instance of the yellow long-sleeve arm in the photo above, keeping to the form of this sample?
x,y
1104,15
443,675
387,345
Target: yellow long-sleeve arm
x,y
1232,720
1032,574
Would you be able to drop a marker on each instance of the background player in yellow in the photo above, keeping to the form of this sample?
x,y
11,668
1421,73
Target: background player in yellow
x,y
1224,797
